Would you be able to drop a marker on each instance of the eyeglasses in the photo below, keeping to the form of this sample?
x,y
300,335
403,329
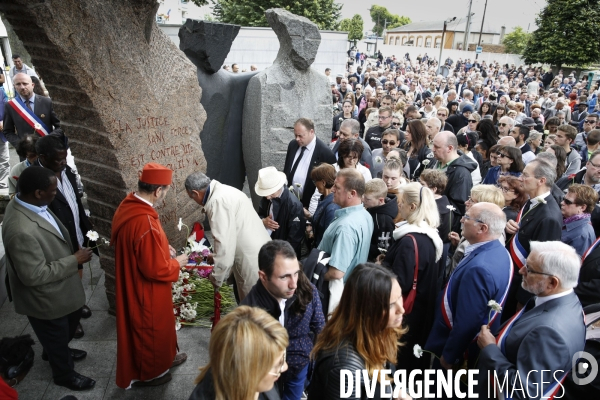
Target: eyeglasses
x,y
587,121
280,368
568,202
391,142
502,124
501,155
472,219
530,271
441,114
593,165
473,121
507,189
396,123
382,117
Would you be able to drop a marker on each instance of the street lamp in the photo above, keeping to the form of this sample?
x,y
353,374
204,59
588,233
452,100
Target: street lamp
x,y
446,22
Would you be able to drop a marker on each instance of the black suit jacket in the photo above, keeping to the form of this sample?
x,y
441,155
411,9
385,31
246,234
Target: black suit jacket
x,y
15,127
321,154
588,287
541,224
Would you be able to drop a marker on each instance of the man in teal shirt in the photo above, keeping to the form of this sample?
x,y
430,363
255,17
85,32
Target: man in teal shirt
x,y
348,236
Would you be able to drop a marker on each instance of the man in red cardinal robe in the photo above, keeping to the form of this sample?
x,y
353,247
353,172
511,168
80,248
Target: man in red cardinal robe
x,y
145,267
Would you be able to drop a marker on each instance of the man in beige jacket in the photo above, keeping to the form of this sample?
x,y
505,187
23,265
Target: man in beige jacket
x,y
237,230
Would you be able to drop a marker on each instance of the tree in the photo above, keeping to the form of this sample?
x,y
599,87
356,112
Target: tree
x,y
515,42
380,16
200,3
353,26
567,34
324,13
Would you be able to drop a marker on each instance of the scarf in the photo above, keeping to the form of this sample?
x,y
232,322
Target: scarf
x,y
404,228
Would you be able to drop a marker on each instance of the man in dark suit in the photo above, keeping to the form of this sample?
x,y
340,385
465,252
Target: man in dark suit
x,y
67,205
538,344
15,124
540,219
304,153
588,286
42,271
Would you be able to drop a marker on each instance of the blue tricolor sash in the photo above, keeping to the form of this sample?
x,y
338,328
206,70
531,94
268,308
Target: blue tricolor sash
x,y
588,251
27,114
517,251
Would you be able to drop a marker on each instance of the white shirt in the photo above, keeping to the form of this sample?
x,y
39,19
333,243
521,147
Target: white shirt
x,y
282,315
301,174
541,300
536,200
528,156
144,200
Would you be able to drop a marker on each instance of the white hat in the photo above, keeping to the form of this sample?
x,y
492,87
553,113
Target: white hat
x,y
269,181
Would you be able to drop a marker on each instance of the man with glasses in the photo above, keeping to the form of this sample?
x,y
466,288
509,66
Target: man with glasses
x,y
520,133
373,135
505,125
390,140
540,219
545,335
442,115
589,123
458,320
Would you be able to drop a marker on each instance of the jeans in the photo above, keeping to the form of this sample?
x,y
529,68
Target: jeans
x,y
294,387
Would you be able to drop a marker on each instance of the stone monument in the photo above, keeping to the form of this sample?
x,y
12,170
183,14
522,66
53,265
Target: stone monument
x,y
207,44
277,96
125,95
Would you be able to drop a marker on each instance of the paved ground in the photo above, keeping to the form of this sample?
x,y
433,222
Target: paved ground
x,y
100,341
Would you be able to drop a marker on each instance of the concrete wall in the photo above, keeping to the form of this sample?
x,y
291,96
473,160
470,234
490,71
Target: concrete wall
x,y
259,46
399,52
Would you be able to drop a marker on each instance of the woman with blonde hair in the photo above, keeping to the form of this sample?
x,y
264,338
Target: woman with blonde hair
x,y
479,194
415,254
247,356
393,176
362,334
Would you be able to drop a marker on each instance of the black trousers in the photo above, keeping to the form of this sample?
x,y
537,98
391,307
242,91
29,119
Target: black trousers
x,y
55,335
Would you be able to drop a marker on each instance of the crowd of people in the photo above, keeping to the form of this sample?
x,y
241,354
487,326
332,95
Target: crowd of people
x,y
454,214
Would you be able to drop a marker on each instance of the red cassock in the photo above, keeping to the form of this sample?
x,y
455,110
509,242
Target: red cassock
x,y
144,270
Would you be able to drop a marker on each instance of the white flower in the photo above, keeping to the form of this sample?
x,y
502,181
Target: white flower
x,y
297,185
37,126
541,200
418,351
291,189
378,160
177,325
494,305
426,162
382,251
92,235
451,208
180,224
106,242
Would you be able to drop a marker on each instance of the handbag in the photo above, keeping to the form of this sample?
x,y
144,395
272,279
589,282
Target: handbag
x,y
409,300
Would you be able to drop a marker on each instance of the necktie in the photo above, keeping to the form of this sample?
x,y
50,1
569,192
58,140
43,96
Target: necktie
x,y
527,206
295,166
28,102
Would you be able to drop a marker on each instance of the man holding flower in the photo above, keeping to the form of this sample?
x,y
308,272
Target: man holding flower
x,y
144,270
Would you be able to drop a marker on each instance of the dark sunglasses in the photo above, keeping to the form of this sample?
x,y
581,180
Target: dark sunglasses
x,y
396,123
568,202
502,124
472,120
441,114
587,121
501,155
391,142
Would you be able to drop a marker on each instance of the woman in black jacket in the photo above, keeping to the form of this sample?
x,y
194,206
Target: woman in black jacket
x,y
419,154
360,334
347,113
416,237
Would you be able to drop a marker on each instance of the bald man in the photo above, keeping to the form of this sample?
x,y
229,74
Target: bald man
x,y
507,141
27,113
457,167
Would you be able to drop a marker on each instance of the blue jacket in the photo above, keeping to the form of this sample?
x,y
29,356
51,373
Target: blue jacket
x,y
474,282
578,234
491,178
324,214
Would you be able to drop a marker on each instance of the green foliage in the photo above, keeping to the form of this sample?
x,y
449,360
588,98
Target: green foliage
x,y
324,13
567,34
380,15
200,3
515,41
353,26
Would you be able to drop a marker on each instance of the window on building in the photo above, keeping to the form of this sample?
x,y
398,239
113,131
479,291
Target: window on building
x,y
428,42
420,41
438,42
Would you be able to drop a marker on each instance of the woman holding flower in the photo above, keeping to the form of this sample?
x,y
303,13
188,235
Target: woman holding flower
x,y
415,253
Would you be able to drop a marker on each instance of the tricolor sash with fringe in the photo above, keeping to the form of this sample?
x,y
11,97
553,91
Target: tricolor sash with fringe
x,y
447,300
28,116
552,390
517,251
588,251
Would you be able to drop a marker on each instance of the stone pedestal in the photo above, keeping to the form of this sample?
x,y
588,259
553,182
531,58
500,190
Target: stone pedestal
x,y
125,96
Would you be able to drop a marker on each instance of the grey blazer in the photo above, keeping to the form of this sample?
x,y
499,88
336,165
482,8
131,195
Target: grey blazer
x,y
543,338
42,269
